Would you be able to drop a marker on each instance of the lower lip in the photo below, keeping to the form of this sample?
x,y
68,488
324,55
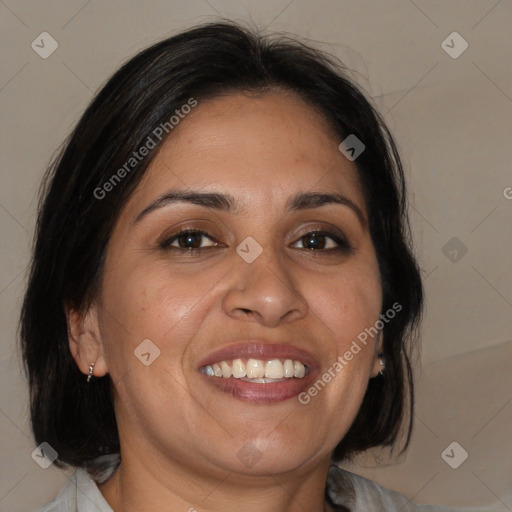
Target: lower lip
x,y
260,393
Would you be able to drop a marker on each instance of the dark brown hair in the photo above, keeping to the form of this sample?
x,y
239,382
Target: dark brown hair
x,y
74,224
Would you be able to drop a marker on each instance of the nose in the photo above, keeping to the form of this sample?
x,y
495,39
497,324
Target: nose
x,y
264,292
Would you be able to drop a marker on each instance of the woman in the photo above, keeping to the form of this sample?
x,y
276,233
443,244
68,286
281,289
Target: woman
x,y
222,294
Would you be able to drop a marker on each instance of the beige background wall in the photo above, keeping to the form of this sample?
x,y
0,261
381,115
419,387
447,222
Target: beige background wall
x,y
452,118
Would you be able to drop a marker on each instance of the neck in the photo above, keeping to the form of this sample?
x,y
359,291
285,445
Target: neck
x,y
142,484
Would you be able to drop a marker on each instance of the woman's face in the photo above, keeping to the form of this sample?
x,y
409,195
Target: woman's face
x,y
258,285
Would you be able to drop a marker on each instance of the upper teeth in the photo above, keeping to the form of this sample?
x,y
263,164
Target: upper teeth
x,y
257,369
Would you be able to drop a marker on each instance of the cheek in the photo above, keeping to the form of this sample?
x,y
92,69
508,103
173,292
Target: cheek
x,y
149,302
347,306
348,303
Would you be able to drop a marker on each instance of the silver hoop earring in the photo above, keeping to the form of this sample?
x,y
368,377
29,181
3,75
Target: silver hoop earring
x,y
91,370
382,364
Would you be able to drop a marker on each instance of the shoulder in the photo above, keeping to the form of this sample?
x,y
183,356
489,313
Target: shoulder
x,y
359,494
79,494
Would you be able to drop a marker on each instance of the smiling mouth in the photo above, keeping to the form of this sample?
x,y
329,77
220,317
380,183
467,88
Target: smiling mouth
x,y
258,371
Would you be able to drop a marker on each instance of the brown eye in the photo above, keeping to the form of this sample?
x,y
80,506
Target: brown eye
x,y
188,240
322,241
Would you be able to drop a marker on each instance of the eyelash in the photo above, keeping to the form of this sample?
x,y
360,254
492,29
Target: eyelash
x,y
342,243
166,244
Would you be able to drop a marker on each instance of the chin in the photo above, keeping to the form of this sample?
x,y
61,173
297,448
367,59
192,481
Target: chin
x,y
264,456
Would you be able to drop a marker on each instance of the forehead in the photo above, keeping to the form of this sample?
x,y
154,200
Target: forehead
x,y
259,148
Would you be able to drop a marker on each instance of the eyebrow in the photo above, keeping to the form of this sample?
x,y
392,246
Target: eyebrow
x,y
206,199
307,200
226,202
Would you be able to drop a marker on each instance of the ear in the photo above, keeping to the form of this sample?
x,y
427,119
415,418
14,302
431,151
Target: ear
x,y
379,363
85,341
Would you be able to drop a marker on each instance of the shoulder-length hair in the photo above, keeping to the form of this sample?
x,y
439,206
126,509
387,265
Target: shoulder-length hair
x,y
75,220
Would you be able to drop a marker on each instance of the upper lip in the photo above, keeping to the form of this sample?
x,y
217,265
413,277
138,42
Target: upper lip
x,y
260,349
